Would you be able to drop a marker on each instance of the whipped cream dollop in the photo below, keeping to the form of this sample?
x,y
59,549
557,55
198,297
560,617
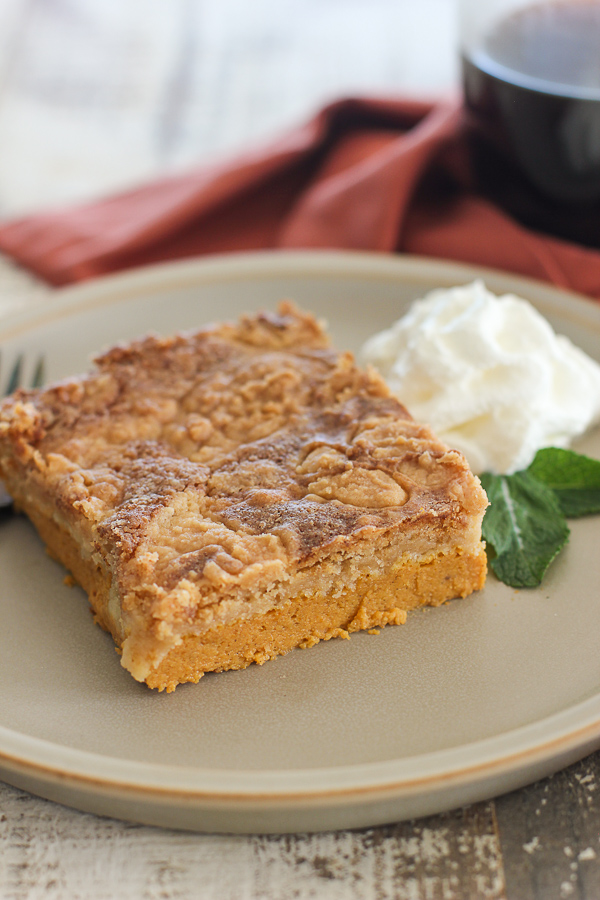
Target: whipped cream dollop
x,y
489,375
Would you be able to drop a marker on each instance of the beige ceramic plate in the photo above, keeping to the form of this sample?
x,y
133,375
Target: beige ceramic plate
x,y
463,702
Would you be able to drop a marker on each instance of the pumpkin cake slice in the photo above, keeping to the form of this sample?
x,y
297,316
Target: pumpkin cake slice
x,y
227,495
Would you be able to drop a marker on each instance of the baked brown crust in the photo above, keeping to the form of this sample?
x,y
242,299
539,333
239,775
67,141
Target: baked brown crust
x,y
198,482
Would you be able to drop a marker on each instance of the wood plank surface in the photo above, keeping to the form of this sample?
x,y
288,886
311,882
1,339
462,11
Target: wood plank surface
x,y
550,835
537,843
97,95
47,851
100,94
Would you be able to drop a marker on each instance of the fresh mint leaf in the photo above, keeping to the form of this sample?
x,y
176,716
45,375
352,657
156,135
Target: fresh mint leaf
x,y
574,478
524,525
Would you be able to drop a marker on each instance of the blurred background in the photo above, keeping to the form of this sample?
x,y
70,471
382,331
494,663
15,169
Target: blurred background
x,y
97,95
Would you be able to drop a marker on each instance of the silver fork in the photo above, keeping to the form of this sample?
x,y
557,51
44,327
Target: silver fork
x,y
14,381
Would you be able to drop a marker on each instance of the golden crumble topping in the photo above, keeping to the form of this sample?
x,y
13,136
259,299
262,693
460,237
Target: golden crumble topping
x,y
220,461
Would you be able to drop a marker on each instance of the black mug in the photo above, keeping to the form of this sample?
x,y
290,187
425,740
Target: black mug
x,y
531,78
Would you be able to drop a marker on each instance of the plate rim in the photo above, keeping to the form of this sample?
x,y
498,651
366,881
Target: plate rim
x,y
120,286
531,751
564,741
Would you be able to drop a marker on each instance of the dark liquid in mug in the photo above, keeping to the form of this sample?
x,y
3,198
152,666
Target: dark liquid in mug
x,y
533,92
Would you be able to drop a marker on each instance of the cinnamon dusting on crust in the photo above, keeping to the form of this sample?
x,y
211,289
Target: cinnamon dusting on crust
x,y
205,467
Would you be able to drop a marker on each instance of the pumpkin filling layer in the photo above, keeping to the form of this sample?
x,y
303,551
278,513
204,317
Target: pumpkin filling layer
x,y
227,495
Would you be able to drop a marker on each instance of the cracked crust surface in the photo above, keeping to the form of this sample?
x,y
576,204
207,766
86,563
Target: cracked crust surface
x,y
197,482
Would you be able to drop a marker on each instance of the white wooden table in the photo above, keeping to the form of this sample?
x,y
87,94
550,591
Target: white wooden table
x,y
101,94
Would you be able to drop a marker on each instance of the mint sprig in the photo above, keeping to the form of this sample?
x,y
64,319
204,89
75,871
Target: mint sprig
x,y
573,477
525,525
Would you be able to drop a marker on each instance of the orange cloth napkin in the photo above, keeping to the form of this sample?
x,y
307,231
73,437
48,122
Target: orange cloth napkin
x,y
363,174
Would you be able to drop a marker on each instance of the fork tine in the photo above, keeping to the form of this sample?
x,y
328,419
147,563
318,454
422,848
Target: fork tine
x,y
39,374
15,375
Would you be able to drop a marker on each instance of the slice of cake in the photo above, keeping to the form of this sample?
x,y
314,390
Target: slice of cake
x,y
226,495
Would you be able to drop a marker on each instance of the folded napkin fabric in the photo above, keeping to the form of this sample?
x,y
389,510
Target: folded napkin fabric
x,y
363,174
